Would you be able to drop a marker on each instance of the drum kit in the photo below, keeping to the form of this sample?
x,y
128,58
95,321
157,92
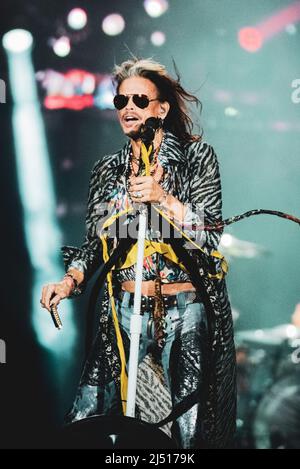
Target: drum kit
x,y
268,384
268,374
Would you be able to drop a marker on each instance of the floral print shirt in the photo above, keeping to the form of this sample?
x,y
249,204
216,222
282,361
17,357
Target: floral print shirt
x,y
156,264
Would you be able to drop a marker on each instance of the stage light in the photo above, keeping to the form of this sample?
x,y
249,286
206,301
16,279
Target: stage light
x,y
156,8
62,46
284,19
36,190
231,111
226,240
17,40
250,39
113,24
77,18
82,81
105,94
292,331
291,29
88,85
158,38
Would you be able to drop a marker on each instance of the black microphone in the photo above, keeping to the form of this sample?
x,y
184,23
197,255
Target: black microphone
x,y
148,129
55,317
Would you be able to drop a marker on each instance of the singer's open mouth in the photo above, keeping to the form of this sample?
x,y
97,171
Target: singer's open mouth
x,y
130,123
130,118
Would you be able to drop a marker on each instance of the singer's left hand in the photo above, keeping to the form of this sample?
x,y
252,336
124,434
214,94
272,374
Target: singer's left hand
x,y
145,189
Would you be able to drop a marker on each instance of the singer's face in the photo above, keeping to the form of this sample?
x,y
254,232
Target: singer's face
x,y
131,117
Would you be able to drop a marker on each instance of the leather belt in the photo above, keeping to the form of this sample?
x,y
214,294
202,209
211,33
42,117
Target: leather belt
x,y
170,301
148,287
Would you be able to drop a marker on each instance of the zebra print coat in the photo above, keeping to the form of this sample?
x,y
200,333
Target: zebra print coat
x,y
195,179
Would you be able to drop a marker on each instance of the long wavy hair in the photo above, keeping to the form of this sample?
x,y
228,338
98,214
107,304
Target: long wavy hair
x,y
178,120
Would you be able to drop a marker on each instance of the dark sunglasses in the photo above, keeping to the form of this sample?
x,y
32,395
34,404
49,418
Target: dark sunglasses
x,y
140,100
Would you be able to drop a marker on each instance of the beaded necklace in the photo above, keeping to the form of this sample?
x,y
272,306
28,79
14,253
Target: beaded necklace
x,y
130,169
153,161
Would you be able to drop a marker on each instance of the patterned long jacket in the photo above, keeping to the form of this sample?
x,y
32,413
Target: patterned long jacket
x,y
195,180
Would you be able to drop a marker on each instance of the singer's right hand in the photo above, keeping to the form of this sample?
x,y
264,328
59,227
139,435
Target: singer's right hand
x,y
53,293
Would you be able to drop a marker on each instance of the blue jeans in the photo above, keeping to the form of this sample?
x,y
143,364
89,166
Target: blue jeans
x,y
185,317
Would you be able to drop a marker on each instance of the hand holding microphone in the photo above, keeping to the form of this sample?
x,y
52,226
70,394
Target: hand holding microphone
x,y
53,293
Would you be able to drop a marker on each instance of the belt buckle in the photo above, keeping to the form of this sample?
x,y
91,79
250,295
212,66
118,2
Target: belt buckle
x,y
170,301
143,304
146,304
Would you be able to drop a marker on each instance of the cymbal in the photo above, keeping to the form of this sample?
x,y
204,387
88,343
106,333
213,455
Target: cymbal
x,y
272,336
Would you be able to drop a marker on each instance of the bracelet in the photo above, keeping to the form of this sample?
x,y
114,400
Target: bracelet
x,y
165,195
69,274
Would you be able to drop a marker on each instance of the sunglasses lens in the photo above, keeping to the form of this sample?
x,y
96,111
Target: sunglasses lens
x,y
140,101
120,101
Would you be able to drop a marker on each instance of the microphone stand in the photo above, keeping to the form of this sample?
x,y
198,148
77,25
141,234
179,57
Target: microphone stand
x,y
136,318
